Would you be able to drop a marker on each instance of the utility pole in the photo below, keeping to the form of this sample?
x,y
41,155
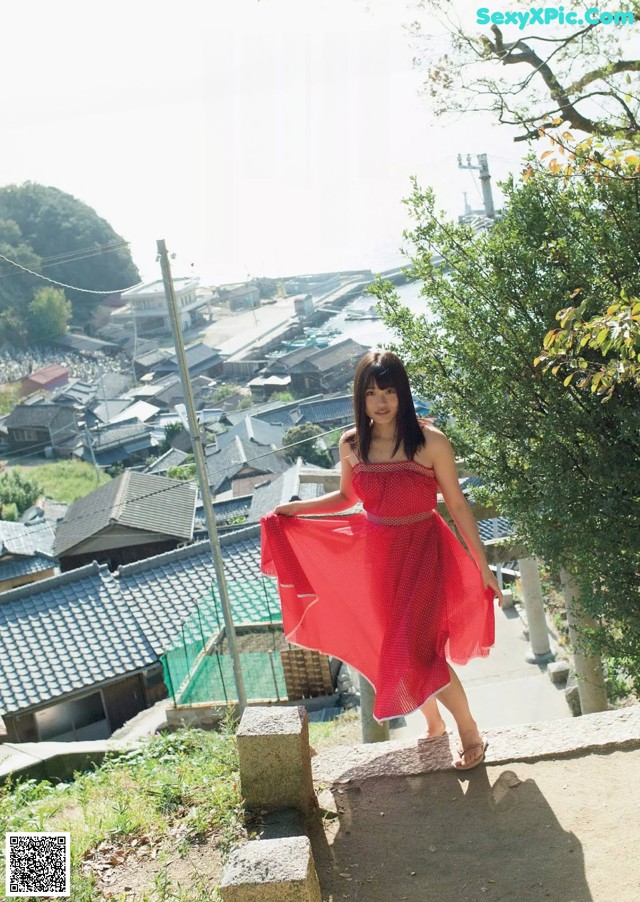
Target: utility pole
x,y
485,179
201,472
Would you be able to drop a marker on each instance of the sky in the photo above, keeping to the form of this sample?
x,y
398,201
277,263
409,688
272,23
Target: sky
x,y
257,137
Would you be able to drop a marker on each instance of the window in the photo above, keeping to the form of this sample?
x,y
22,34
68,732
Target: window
x,y
73,720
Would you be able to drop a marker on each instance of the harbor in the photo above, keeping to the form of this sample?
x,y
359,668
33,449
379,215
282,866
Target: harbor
x,y
274,328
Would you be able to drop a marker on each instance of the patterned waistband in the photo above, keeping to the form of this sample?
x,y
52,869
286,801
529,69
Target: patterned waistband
x,y
399,521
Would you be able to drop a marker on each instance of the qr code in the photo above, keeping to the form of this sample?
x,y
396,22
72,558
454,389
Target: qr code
x,y
37,864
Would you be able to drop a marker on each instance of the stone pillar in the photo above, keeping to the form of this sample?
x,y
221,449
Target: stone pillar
x,y
372,731
589,671
271,870
275,761
540,652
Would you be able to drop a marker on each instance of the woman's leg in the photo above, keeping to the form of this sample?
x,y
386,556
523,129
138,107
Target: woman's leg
x,y
454,698
435,724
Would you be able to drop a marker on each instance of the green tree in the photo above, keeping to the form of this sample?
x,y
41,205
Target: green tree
x,y
185,472
49,313
74,244
307,433
171,430
560,464
19,490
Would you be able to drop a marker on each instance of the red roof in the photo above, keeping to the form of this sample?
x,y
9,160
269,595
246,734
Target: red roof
x,y
52,373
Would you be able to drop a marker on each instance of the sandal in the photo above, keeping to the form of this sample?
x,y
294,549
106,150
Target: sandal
x,y
474,745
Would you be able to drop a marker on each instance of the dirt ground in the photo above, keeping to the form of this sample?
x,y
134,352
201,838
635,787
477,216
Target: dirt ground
x,y
566,830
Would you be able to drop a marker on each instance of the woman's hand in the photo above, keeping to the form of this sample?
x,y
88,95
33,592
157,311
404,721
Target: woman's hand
x,y
286,510
490,582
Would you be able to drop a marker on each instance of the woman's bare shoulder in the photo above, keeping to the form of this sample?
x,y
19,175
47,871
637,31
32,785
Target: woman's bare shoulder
x,y
436,444
432,433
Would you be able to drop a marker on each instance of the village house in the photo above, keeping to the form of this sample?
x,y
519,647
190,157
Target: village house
x,y
83,648
128,518
328,369
46,379
26,553
35,427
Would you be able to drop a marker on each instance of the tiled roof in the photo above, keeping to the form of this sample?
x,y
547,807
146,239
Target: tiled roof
x,y
196,355
48,374
12,568
137,500
65,634
84,343
226,463
139,410
107,409
73,631
226,510
117,434
171,458
280,490
187,575
271,411
24,539
251,429
326,410
152,358
37,415
326,358
76,392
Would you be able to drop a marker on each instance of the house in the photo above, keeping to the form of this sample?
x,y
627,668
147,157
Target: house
x,y
46,379
239,295
146,362
131,517
83,648
26,553
286,487
325,412
125,443
148,309
34,427
255,431
329,369
85,344
201,361
76,661
263,387
241,465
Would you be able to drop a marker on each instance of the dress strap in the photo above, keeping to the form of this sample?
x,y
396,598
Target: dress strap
x,y
399,521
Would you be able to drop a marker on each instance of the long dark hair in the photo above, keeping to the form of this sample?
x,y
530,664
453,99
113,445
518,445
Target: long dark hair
x,y
384,369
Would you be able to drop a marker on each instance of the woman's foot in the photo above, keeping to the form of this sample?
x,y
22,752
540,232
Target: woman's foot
x,y
435,731
471,750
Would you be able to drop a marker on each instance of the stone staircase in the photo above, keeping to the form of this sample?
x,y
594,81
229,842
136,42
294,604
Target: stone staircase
x,y
553,814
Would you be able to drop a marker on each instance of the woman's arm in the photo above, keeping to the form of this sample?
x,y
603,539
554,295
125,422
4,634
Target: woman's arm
x,y
332,502
444,466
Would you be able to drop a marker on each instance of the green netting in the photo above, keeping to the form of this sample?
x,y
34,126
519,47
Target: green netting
x,y
213,681
192,676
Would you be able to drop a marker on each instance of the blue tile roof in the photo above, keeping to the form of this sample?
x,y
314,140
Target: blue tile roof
x,y
65,634
14,568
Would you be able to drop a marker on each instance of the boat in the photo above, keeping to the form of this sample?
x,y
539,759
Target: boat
x,y
369,313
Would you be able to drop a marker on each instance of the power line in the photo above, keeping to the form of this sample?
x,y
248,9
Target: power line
x,y
63,285
151,494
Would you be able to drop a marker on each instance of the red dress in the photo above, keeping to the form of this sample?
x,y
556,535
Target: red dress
x,y
390,591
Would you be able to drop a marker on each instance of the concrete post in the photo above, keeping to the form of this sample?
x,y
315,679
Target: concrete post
x,y
372,731
271,870
275,760
540,652
589,671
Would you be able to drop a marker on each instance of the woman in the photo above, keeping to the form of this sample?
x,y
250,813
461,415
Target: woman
x,y
391,590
